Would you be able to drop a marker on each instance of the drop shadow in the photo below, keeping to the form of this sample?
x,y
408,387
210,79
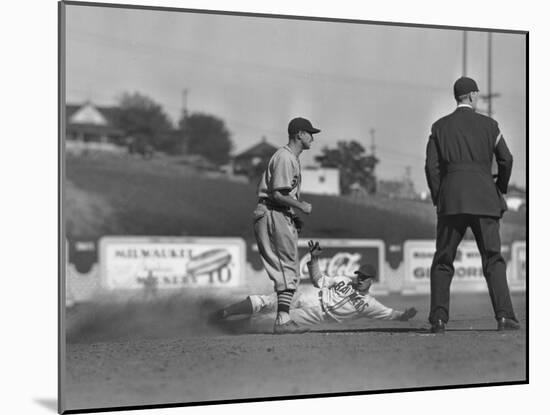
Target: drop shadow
x,y
48,403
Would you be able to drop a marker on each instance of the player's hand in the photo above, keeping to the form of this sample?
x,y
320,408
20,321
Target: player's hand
x,y
408,314
314,249
306,208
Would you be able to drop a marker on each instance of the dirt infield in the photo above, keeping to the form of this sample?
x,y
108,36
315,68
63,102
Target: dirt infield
x,y
134,354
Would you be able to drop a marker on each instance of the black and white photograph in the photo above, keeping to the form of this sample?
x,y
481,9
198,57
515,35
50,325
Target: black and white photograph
x,y
260,206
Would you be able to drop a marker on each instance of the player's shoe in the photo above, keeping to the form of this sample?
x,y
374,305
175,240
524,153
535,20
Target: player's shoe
x,y
504,323
290,327
438,327
217,316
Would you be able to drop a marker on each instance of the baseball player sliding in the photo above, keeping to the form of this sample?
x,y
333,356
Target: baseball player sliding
x,y
337,299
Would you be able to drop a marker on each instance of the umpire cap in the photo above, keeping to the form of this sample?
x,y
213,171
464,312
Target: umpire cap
x,y
464,85
366,271
301,124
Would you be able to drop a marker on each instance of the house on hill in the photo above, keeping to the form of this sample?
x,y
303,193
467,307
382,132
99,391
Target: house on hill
x,y
91,123
321,181
93,127
399,189
253,161
516,198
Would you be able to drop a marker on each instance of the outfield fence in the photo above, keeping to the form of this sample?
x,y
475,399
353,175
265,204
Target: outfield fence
x,y
150,267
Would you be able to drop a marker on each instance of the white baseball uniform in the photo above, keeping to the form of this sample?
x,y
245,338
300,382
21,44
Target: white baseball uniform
x,y
335,300
275,232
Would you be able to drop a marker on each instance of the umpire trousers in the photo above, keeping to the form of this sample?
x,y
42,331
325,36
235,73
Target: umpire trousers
x,y
450,231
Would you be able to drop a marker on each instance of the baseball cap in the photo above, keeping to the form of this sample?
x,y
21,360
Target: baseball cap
x,y
366,271
301,124
464,85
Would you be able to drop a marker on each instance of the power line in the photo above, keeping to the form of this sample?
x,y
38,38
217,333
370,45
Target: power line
x,y
248,66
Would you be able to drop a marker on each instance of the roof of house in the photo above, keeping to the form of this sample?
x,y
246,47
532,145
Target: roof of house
x,y
107,112
262,149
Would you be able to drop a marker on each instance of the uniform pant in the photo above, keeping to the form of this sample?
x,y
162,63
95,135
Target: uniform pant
x,y
450,231
277,240
306,309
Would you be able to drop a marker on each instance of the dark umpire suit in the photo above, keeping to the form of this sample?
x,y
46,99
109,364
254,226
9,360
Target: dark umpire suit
x,y
458,169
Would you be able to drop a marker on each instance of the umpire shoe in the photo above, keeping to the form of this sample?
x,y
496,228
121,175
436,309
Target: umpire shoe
x,y
438,327
504,323
290,327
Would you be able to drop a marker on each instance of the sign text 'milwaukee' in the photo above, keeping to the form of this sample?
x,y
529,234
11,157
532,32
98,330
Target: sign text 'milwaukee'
x,y
139,253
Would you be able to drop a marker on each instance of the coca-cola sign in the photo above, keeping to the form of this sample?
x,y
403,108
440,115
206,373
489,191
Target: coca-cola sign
x,y
344,256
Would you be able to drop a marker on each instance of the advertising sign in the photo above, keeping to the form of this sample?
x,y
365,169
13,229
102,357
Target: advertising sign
x,y
344,256
168,263
468,273
519,262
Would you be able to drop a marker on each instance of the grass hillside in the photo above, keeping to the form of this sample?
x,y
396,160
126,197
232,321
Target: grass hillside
x,y
159,198
153,200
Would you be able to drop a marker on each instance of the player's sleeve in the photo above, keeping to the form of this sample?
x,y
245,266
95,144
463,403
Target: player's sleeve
x,y
504,160
376,310
284,175
326,282
315,274
431,168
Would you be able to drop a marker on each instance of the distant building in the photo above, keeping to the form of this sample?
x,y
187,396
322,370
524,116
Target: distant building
x,y
91,123
516,198
93,127
253,161
400,189
321,180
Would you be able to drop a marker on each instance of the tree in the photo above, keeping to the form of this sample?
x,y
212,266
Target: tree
x,y
207,135
356,168
144,121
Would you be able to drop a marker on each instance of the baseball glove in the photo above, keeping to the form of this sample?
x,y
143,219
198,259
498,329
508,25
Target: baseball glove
x,y
298,223
408,314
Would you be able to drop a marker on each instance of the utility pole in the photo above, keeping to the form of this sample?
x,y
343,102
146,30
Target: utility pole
x,y
490,73
464,52
407,176
490,94
185,93
372,142
184,144
408,187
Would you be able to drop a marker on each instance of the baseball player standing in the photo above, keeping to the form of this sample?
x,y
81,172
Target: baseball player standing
x,y
459,155
276,225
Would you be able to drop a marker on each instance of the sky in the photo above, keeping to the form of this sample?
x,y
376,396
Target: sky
x,y
258,73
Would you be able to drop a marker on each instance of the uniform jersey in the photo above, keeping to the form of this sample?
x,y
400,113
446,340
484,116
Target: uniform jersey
x,y
282,173
340,299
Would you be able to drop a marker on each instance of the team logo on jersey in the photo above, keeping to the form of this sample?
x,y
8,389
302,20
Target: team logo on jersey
x,y
358,301
346,289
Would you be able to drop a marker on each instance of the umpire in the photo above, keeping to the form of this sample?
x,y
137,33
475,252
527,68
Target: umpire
x,y
459,157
